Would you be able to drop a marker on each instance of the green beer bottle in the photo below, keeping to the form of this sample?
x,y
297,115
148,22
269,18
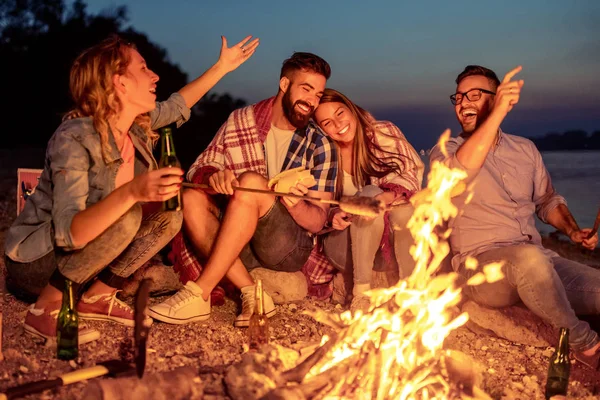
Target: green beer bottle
x,y
169,159
67,326
558,371
258,328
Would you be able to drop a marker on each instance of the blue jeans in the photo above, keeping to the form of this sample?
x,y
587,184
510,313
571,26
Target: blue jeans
x,y
278,243
113,256
553,288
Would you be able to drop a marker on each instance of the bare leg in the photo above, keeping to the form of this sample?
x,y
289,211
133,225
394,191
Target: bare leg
x,y
237,228
201,224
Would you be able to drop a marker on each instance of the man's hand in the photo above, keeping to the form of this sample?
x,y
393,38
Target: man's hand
x,y
580,237
508,92
223,181
341,220
291,202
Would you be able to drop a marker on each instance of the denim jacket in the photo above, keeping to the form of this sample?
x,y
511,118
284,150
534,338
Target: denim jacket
x,y
75,176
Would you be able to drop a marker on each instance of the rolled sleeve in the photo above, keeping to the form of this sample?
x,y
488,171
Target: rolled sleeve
x,y
169,111
69,163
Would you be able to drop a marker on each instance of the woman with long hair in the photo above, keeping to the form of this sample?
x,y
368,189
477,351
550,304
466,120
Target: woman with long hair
x,y
93,218
376,161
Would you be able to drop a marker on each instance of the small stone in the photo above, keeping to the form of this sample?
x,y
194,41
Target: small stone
x,y
73,364
548,352
293,307
23,369
491,370
484,348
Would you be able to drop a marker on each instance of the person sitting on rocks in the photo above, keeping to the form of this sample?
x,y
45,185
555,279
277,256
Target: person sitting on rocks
x,y
511,183
256,143
86,222
376,161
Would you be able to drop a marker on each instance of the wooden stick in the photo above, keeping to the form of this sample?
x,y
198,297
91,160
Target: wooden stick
x,y
298,373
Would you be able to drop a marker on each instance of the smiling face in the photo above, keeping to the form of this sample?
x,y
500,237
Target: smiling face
x,y
337,121
303,91
471,114
137,87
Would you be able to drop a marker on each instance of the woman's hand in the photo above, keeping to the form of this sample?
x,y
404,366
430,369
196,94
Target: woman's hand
x,y
340,220
234,56
157,185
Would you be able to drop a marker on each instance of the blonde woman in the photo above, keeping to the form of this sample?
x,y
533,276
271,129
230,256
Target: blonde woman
x,y
93,215
376,161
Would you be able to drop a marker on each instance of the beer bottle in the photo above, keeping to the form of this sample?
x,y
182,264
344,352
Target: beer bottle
x,y
67,326
169,159
258,328
558,371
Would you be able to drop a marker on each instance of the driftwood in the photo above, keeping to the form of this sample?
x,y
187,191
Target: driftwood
x,y
181,383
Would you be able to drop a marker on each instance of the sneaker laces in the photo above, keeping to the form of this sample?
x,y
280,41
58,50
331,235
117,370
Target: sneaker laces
x,y
111,298
183,296
248,302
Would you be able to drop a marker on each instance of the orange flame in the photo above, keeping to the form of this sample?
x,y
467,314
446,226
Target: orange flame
x,y
393,351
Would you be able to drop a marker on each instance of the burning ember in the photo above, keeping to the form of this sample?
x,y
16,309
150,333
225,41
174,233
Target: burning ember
x,y
394,351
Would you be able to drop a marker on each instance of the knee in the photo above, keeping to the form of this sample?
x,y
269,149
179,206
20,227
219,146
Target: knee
x,y
173,221
370,191
196,203
130,222
253,180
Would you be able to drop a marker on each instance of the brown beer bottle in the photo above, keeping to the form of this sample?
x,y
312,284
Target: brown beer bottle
x,y
169,159
258,328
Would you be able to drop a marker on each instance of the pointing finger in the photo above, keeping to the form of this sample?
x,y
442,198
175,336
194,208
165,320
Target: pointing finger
x,y
511,74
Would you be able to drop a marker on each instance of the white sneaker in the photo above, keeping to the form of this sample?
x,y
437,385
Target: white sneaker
x,y
185,306
248,297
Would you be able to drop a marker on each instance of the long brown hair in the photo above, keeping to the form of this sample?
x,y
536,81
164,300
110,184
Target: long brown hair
x,y
365,163
92,89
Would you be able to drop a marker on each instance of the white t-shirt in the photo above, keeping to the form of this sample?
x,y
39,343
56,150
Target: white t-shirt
x,y
349,188
276,148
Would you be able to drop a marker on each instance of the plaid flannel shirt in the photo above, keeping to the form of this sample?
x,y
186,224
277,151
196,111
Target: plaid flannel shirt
x,y
389,138
239,147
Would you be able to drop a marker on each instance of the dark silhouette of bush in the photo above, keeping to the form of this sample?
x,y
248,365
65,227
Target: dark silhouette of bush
x,y
39,39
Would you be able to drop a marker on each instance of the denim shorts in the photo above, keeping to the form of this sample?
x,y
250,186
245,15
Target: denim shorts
x,y
279,243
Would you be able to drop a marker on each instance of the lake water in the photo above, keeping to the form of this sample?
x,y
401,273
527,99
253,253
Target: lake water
x,y
576,176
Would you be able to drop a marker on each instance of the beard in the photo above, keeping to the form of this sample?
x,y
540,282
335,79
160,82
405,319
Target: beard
x,y
482,115
295,118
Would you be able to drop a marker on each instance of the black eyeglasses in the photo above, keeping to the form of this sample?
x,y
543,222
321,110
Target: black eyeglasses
x,y
471,95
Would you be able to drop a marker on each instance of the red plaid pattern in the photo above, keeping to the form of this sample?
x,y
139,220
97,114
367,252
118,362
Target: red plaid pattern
x,y
239,145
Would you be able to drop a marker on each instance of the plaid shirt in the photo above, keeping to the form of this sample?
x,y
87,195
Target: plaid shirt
x,y
239,147
389,138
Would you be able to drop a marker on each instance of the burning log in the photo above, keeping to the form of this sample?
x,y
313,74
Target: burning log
x,y
181,383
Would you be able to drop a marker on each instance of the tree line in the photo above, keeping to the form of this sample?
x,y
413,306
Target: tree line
x,y
569,140
39,40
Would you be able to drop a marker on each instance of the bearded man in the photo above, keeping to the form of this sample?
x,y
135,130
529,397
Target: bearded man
x,y
255,230
510,185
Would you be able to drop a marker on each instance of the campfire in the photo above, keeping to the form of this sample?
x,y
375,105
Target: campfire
x,y
395,349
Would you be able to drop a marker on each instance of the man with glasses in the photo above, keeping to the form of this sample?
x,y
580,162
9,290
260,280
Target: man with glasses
x,y
510,184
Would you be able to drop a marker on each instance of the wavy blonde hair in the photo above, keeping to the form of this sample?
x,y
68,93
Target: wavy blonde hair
x,y
365,163
93,91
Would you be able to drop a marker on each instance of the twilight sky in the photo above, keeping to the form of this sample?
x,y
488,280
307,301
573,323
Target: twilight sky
x,y
398,59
